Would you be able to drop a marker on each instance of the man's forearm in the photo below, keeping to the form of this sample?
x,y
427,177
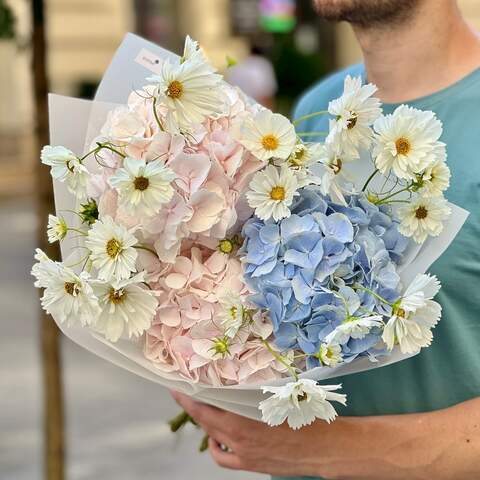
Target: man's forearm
x,y
443,445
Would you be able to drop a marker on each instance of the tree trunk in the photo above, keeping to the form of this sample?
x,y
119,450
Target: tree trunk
x,y
52,383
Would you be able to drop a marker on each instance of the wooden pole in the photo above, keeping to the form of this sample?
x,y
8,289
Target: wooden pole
x,y
50,339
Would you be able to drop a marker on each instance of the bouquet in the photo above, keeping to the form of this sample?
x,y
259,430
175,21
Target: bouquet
x,y
209,247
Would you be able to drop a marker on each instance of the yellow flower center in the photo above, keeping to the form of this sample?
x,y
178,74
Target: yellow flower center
x,y
302,397
298,156
277,193
113,248
117,296
400,312
233,311
141,183
221,347
337,166
225,246
403,146
421,212
270,142
175,89
71,288
352,121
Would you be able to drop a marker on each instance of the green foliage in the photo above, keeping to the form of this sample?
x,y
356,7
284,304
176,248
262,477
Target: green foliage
x,y
295,70
89,212
7,22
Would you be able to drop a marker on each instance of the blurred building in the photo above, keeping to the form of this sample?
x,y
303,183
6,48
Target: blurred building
x,y
82,35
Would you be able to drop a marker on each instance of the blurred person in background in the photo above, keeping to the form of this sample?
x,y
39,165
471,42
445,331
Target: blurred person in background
x,y
420,418
255,76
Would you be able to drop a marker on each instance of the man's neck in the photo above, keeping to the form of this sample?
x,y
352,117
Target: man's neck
x,y
429,52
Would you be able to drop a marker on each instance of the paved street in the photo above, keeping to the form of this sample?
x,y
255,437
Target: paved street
x,y
116,422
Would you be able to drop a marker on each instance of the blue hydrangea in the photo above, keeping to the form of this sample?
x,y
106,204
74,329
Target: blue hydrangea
x,y
298,266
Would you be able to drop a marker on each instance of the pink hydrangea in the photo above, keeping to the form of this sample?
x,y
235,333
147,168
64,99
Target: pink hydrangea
x,y
187,336
180,256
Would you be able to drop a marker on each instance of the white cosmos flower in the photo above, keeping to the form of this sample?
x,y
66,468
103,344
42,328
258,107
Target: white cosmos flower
x,y
125,305
407,142
330,354
57,229
304,155
190,90
423,217
192,51
331,173
143,187
423,287
414,316
66,167
267,135
68,297
353,328
44,269
435,179
300,403
271,192
233,313
112,249
354,112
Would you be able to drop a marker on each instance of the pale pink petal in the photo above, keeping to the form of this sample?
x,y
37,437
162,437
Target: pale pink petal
x,y
169,316
204,348
207,207
191,169
216,262
175,280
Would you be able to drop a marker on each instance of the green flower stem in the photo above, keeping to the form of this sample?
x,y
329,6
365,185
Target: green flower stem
x,y
369,179
100,146
301,355
311,134
95,150
70,211
378,297
310,115
109,147
85,263
394,201
147,249
82,260
71,229
388,197
204,444
345,304
281,360
155,114
180,421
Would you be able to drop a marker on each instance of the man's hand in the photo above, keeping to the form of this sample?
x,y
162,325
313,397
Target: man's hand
x,y
254,446
444,445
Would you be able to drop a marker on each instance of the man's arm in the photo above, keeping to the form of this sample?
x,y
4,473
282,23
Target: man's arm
x,y
444,444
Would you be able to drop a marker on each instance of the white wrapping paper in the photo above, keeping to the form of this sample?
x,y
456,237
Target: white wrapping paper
x,y
74,123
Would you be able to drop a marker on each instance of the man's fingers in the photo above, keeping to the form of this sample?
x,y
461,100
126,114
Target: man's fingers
x,y
223,458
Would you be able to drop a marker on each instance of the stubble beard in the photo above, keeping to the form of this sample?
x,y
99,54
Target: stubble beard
x,y
367,13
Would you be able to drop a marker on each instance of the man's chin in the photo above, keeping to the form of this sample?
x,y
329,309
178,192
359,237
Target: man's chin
x,y
366,13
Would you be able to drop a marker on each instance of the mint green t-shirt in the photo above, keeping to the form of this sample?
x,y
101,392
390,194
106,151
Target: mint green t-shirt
x,y
448,372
